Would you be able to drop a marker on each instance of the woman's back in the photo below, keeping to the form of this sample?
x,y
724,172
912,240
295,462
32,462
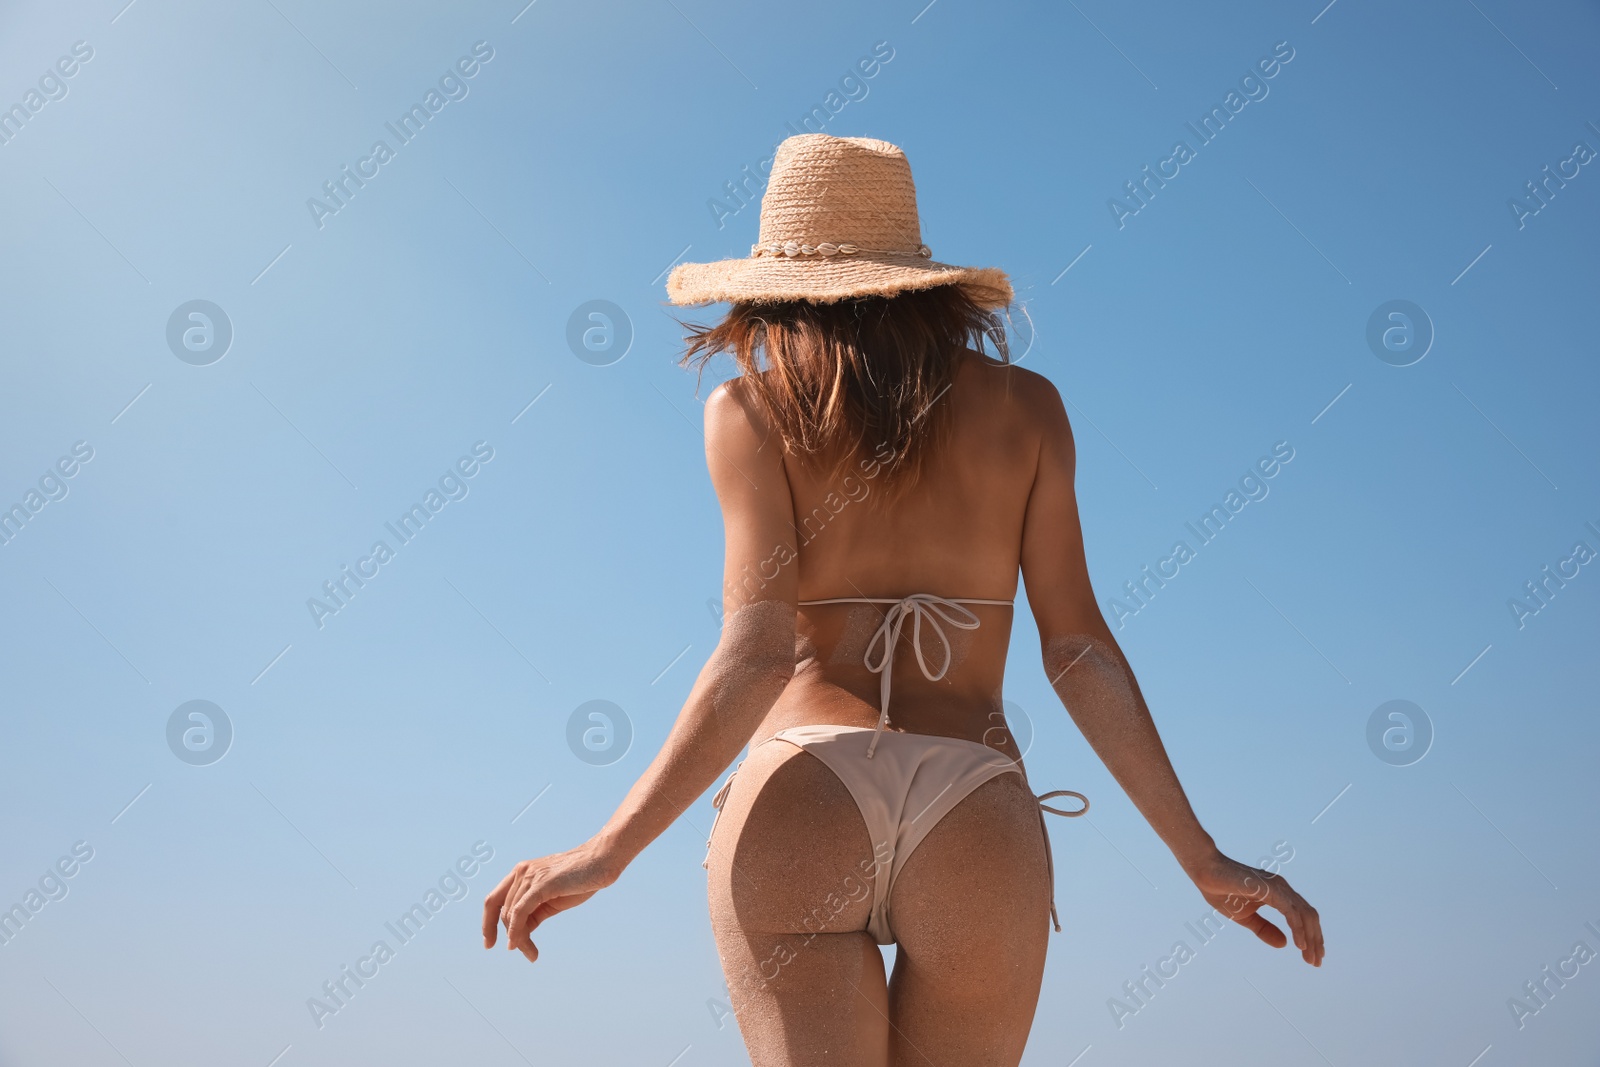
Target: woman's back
x,y
956,533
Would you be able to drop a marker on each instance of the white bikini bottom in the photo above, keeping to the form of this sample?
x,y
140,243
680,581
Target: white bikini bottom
x,y
903,790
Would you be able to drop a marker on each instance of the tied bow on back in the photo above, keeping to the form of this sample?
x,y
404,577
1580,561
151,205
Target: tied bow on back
x,y
880,650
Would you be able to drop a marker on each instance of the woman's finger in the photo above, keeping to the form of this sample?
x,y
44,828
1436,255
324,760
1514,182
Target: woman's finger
x,y
1296,918
1263,928
1301,917
519,884
519,914
1314,928
1312,923
530,877
491,908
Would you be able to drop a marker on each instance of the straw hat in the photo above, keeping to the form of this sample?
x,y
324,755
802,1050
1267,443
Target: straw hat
x,y
838,220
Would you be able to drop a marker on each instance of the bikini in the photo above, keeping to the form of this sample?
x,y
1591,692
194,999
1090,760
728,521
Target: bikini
x,y
904,783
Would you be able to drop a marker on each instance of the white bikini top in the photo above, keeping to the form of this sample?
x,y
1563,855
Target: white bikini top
x,y
919,606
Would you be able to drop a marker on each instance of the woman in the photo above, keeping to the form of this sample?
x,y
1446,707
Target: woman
x,y
882,484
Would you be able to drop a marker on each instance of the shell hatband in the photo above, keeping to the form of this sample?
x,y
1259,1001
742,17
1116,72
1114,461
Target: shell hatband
x,y
791,249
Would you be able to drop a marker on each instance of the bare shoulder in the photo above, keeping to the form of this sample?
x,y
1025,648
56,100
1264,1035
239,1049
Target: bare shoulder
x,y
732,410
735,421
1028,395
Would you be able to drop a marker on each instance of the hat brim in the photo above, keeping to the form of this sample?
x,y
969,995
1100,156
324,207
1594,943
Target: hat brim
x,y
825,280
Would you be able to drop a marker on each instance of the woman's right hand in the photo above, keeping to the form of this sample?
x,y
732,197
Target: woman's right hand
x,y
1238,892
538,889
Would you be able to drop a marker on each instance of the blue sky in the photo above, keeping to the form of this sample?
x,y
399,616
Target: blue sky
x,y
375,347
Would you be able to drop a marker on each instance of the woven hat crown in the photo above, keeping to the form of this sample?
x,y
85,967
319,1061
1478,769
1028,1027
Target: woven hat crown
x,y
841,189
838,221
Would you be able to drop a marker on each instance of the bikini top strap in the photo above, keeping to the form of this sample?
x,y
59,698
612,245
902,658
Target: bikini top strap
x,y
919,606
897,600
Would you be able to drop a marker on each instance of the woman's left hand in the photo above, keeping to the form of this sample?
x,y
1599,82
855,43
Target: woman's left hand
x,y
538,889
1239,892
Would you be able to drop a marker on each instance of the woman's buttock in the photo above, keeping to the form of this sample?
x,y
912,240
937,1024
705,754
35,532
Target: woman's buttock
x,y
813,836
796,899
789,852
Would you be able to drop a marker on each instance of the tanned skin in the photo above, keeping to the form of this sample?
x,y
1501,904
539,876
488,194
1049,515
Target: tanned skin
x,y
970,907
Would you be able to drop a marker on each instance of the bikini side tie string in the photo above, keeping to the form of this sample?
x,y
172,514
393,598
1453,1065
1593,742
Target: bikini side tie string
x,y
718,799
1048,857
1063,793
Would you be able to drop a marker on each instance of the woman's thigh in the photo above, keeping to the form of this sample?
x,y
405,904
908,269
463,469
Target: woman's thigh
x,y
790,889
971,913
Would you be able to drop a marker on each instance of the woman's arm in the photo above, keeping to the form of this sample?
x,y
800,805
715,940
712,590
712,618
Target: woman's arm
x,y
1090,674
752,663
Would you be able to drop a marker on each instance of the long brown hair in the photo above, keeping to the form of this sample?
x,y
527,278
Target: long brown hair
x,y
855,377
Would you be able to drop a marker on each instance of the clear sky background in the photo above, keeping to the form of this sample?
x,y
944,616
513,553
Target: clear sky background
x,y
373,347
